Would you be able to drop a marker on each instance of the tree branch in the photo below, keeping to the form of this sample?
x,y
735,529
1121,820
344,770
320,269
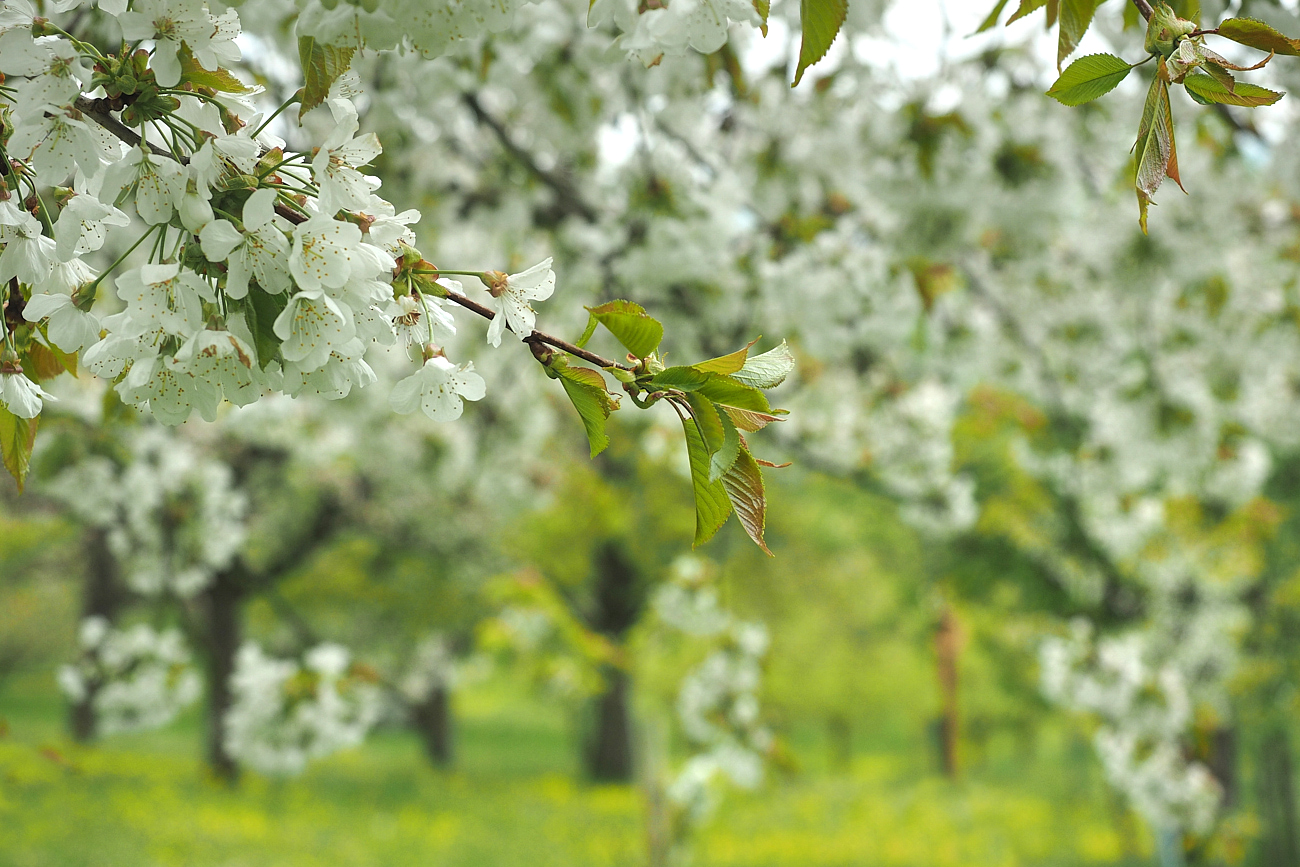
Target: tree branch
x,y
567,197
98,111
1145,8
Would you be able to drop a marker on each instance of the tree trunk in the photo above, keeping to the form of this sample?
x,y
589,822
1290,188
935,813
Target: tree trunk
x,y
947,641
1277,809
432,720
609,747
102,597
223,633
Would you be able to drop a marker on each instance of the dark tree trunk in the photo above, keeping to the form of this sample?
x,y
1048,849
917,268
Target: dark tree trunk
x,y
618,600
1278,842
223,600
609,749
102,597
433,721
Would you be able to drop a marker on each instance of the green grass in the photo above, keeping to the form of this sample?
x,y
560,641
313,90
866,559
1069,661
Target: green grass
x,y
145,800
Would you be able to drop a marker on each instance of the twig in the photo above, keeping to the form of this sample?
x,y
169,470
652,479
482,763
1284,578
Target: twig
x,y
1145,8
538,336
98,111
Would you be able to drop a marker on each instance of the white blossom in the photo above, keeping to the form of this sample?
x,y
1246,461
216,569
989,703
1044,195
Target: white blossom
x,y
510,300
437,388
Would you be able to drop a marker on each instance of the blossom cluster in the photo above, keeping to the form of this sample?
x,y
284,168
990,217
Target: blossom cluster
x,y
264,269
174,516
717,702
286,712
1144,707
135,679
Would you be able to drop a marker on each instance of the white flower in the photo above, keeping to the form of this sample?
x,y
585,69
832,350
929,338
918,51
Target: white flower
x,y
164,298
437,388
260,251
168,23
83,225
419,319
345,369
170,390
211,161
333,168
225,361
311,326
511,295
27,254
69,328
323,250
22,396
158,184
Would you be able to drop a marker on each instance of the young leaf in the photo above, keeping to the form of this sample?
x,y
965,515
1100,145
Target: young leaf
x,y
1076,15
726,364
728,391
1153,144
723,459
321,65
586,390
744,487
680,378
707,420
42,363
1257,34
192,72
1088,78
637,330
821,21
17,436
991,21
762,7
767,370
1026,6
1209,90
750,421
712,504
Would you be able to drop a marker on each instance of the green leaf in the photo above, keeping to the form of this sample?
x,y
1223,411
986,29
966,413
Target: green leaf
x,y
728,391
767,370
192,72
744,487
1209,90
726,364
587,393
708,420
1188,9
261,310
722,460
638,331
17,436
763,8
587,333
821,21
712,502
1026,6
1257,34
1088,78
991,21
41,363
681,378
321,65
1076,15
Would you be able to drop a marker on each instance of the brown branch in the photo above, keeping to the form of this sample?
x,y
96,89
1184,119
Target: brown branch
x,y
98,111
1145,8
539,336
567,197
